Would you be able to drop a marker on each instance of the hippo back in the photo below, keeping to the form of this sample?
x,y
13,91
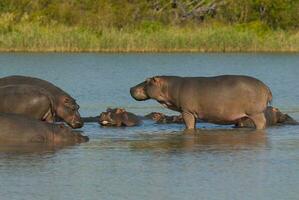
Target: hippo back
x,y
17,79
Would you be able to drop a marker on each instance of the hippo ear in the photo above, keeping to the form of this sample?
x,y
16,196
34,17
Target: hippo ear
x,y
66,100
120,110
155,80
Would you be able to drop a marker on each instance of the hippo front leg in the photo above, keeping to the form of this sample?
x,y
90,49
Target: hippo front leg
x,y
189,120
49,117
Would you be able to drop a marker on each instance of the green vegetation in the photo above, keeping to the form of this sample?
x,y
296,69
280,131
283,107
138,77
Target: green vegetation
x,y
145,25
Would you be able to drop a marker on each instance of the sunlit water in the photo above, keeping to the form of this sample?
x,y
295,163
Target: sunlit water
x,y
155,161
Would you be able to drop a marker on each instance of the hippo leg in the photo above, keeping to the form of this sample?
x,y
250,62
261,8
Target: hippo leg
x,y
259,120
189,120
49,117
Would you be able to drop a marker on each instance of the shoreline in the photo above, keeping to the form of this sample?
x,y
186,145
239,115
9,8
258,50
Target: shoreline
x,y
52,50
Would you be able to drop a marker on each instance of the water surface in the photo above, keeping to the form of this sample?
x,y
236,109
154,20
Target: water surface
x,y
155,161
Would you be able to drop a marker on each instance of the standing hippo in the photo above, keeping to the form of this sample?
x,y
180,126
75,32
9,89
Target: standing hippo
x,y
27,100
273,117
66,106
118,117
221,99
18,129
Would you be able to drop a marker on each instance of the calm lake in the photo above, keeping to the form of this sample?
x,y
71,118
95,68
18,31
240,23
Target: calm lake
x,y
155,161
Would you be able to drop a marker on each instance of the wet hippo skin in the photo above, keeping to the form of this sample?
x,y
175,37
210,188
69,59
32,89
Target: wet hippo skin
x,y
27,100
19,129
118,117
66,107
161,118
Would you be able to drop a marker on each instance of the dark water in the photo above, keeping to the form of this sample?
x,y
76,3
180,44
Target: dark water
x,y
155,161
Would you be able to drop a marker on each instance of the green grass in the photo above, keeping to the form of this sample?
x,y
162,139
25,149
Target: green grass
x,y
34,37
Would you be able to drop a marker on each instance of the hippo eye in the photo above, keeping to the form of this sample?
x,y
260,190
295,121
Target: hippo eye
x,y
73,108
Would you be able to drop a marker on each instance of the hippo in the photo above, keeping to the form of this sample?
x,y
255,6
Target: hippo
x,y
66,106
118,117
39,103
273,117
221,99
19,129
161,118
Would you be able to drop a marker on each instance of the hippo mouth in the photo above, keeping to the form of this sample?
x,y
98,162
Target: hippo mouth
x,y
106,123
139,94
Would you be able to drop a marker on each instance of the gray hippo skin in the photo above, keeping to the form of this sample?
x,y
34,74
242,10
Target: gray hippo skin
x,y
18,129
221,99
66,106
118,117
273,117
27,100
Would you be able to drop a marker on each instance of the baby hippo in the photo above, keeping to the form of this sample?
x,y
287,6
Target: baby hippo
x,y
118,117
160,118
273,117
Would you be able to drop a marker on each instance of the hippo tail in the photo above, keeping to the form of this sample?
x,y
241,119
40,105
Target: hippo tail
x,y
270,96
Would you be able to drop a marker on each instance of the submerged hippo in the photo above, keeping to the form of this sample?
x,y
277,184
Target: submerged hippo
x,y
273,117
66,106
118,117
39,103
161,118
208,98
18,129
91,119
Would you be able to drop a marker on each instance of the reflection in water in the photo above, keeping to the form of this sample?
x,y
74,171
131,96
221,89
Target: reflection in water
x,y
31,149
196,140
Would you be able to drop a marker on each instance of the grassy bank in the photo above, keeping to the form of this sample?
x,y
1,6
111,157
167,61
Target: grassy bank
x,y
34,37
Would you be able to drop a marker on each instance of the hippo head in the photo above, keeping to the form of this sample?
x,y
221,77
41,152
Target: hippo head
x,y
277,115
178,119
156,116
64,134
67,109
273,115
112,117
151,88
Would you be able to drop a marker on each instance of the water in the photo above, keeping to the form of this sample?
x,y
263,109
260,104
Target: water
x,y
155,161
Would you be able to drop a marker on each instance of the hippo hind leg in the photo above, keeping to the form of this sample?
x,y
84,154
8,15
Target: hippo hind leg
x,y
259,120
189,120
